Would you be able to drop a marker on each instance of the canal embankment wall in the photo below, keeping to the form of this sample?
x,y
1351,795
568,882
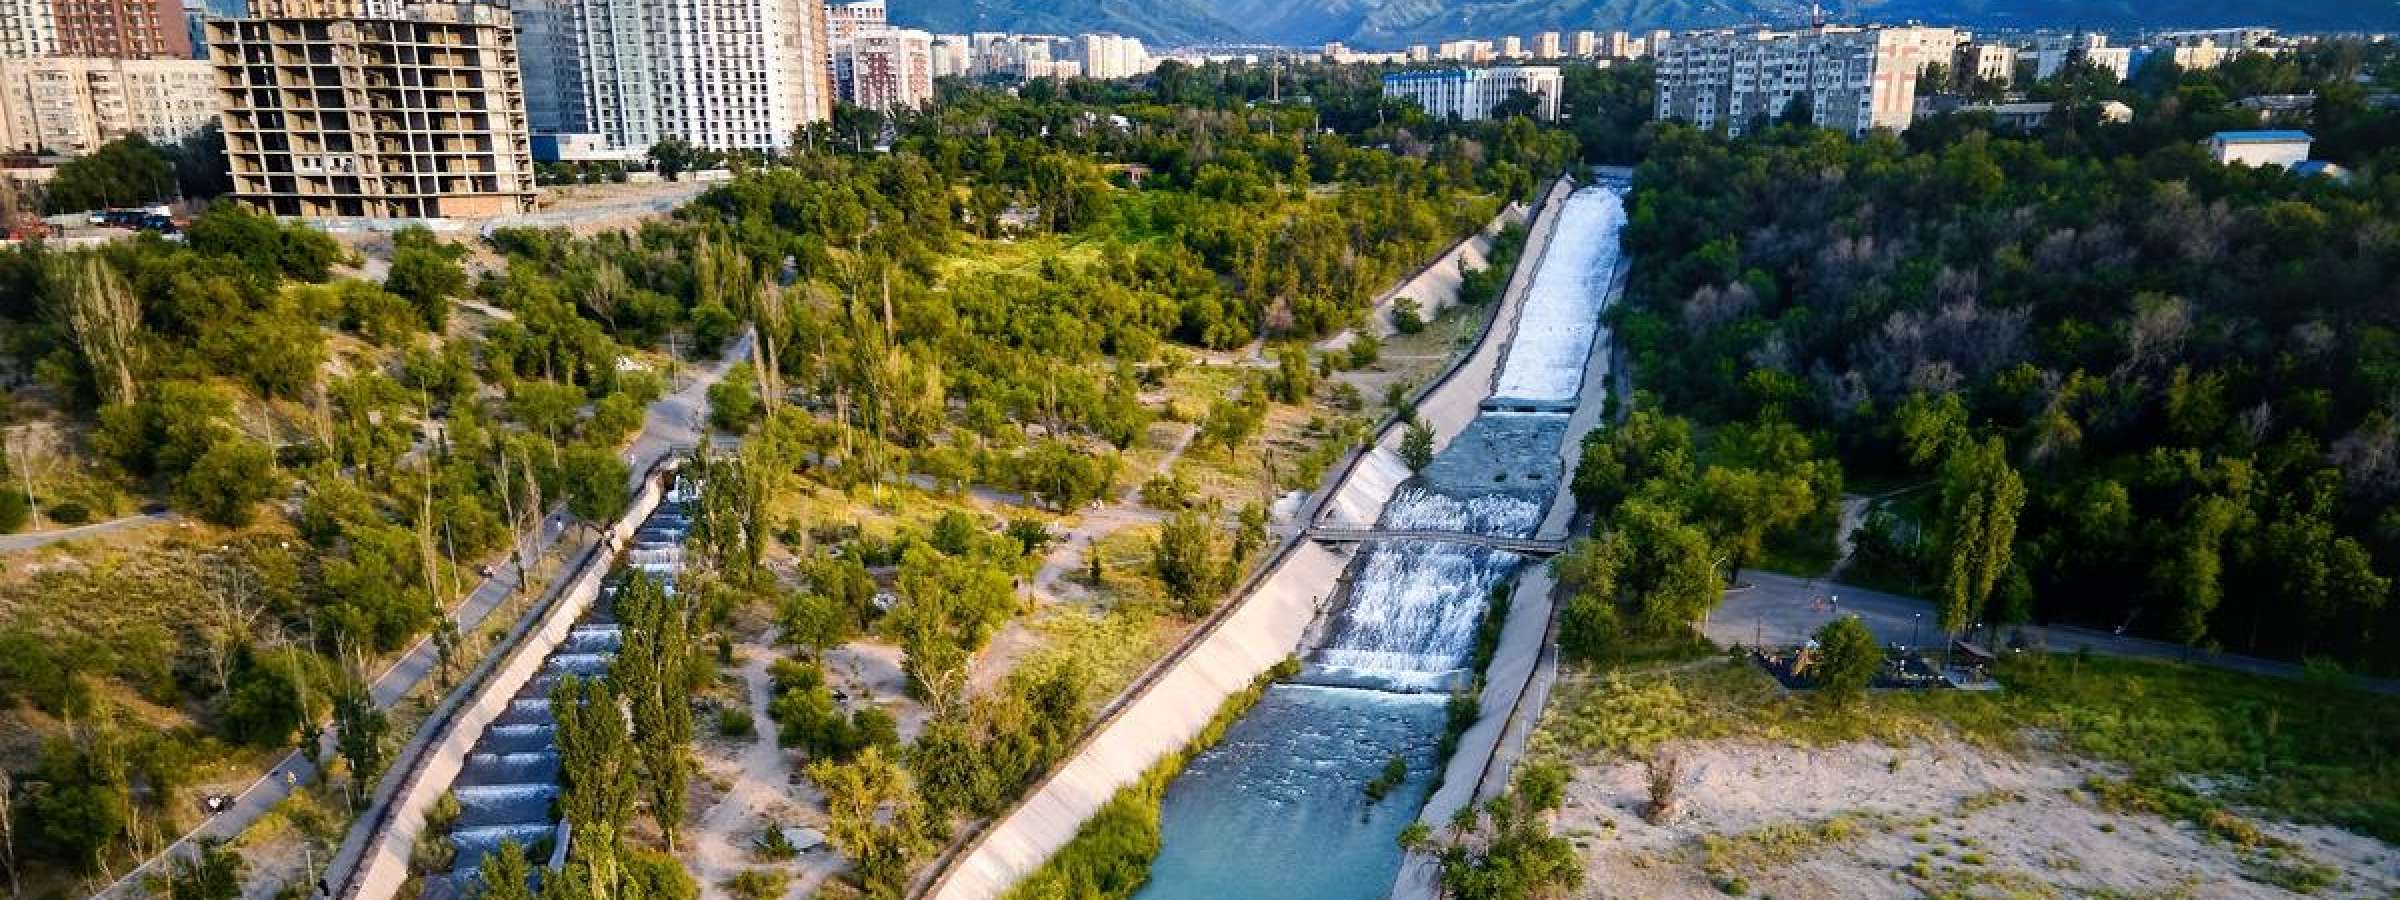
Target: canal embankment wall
x,y
381,870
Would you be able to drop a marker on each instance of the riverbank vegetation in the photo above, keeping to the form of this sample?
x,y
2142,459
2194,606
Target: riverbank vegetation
x,y
1028,306
1676,520
2095,343
1515,855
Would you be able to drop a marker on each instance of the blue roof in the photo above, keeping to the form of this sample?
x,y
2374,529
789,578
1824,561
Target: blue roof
x,y
2262,137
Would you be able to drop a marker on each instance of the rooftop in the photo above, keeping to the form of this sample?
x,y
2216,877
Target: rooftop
x,y
2262,137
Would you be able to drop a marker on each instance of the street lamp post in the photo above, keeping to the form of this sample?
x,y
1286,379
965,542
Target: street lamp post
x,y
1914,621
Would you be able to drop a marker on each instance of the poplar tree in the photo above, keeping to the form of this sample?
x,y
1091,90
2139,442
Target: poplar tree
x,y
1981,496
652,672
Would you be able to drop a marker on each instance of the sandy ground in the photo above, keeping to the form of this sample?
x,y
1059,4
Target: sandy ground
x,y
749,787
1940,819
870,670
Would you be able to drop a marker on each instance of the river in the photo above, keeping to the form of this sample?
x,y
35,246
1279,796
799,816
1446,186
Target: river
x,y
1279,808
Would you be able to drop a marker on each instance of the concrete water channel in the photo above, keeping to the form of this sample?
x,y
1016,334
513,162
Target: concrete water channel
x,y
507,790
1278,809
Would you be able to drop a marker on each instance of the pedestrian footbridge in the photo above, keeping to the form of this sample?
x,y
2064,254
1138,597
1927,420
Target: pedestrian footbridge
x,y
1524,545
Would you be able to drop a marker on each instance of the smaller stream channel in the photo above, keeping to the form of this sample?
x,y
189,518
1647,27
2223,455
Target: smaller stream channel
x,y
1278,809
508,789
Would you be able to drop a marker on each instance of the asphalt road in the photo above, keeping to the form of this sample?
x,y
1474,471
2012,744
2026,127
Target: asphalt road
x,y
1781,610
675,421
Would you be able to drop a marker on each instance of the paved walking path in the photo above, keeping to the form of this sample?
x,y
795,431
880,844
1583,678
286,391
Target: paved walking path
x,y
12,543
671,422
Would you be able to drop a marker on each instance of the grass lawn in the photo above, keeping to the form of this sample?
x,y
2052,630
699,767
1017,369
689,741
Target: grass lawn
x,y
1021,257
2307,751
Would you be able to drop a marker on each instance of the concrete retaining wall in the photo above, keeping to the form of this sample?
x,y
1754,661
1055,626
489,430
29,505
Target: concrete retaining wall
x,y
383,869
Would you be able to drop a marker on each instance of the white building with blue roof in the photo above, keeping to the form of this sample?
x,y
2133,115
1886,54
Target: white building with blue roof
x,y
2260,148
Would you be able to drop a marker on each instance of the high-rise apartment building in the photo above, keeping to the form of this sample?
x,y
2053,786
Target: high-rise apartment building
x,y
1618,45
721,74
842,20
1469,51
122,29
1472,94
1546,45
953,56
1512,47
1988,62
1021,55
75,104
887,68
27,29
1585,44
374,108
196,14
1853,79
549,52
1111,56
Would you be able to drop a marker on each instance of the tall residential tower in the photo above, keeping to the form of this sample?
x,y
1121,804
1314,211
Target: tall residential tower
x,y
720,74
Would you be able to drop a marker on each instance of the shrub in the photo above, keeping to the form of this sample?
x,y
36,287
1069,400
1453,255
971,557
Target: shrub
x,y
69,512
1364,350
757,884
735,722
15,510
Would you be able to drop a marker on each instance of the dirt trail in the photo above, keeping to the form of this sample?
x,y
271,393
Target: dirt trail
x,y
1018,637
761,794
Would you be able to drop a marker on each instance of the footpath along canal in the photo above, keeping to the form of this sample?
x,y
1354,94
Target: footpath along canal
x,y
1279,807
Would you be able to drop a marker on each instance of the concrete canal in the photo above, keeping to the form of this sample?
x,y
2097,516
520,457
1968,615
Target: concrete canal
x,y
1278,809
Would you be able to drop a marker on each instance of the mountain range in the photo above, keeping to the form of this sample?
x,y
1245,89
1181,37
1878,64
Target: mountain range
x,y
1391,24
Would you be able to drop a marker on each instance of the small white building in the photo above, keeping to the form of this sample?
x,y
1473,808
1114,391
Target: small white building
x,y
2260,148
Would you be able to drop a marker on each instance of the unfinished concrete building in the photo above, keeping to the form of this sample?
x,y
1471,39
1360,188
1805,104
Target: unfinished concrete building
x,y
374,108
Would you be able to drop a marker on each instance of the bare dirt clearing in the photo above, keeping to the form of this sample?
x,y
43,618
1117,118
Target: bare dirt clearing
x,y
1938,818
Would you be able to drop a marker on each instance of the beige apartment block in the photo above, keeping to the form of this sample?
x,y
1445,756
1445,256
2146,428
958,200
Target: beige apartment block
x,y
73,105
1854,80
28,28
371,108
888,69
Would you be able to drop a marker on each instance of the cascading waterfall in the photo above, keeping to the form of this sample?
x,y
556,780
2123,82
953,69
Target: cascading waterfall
x,y
1277,809
508,788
